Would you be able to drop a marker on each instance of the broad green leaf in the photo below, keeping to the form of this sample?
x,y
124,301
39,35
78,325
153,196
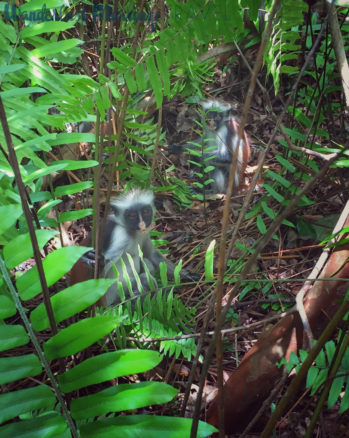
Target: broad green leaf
x,y
12,336
55,47
154,80
56,264
73,188
345,400
261,225
273,193
15,403
72,137
46,426
209,261
20,248
70,301
46,27
122,57
18,92
7,306
17,367
130,80
311,376
77,164
79,336
280,179
122,397
74,215
9,215
4,69
149,426
108,366
36,5
335,391
45,171
289,166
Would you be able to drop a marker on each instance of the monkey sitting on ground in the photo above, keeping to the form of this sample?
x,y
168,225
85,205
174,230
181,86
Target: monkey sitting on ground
x,y
219,140
127,230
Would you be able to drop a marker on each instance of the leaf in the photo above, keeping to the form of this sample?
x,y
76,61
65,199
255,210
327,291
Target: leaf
x,y
122,57
52,425
108,366
311,376
79,336
74,215
261,225
149,426
77,164
42,172
345,400
7,307
4,69
122,397
209,258
154,80
55,47
15,403
335,391
46,27
12,336
73,188
70,301
20,248
273,193
18,367
9,215
55,265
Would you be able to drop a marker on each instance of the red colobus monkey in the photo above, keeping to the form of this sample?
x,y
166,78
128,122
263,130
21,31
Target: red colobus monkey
x,y
220,140
127,230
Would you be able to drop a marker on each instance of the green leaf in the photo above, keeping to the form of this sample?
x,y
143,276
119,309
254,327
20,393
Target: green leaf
x,y
79,336
122,397
209,258
52,425
20,248
261,225
108,366
55,47
70,301
7,307
273,193
15,403
154,80
280,179
345,400
45,171
18,92
77,164
55,265
73,188
18,367
46,27
9,215
12,336
74,215
149,426
4,69
122,57
335,391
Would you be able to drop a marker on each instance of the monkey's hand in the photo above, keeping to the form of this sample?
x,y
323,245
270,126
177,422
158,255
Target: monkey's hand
x,y
190,276
89,258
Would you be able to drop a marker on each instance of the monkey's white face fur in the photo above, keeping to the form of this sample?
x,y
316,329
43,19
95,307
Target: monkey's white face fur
x,y
134,196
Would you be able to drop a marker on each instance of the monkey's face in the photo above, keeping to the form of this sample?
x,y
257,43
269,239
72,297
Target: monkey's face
x,y
214,120
138,218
